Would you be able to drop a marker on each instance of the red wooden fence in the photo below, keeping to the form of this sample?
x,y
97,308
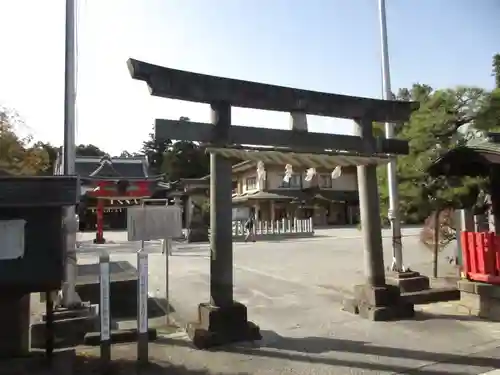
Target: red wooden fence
x,y
481,256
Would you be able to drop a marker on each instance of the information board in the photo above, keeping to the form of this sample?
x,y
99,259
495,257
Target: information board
x,y
146,223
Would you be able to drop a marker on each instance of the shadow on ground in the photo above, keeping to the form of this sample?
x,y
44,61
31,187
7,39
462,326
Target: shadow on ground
x,y
424,315
90,365
312,350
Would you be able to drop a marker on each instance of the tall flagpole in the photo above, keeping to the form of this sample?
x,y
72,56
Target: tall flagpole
x,y
394,215
70,298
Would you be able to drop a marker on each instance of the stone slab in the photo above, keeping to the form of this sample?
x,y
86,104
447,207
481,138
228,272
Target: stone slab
x,y
433,295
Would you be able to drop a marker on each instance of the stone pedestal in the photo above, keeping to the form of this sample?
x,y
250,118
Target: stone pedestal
x,y
222,325
482,300
408,282
15,332
197,232
99,240
378,303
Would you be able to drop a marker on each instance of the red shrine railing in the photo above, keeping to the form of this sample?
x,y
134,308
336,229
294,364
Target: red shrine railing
x,y
481,256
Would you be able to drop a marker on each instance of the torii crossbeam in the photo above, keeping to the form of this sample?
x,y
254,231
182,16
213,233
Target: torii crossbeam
x,y
223,320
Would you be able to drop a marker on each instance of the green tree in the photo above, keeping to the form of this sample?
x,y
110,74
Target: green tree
x,y
127,154
434,129
52,152
185,160
89,150
496,70
154,151
19,155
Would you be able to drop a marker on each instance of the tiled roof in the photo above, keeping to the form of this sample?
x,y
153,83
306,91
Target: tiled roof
x,y
484,145
95,167
473,159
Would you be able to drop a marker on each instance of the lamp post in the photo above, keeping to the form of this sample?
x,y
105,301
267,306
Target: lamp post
x,y
394,217
70,298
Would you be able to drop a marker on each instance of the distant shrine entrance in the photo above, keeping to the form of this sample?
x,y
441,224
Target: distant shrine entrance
x,y
222,319
108,186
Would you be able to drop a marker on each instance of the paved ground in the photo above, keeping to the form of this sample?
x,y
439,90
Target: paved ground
x,y
293,290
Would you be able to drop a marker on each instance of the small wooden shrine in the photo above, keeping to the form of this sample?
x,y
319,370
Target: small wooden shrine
x,y
479,232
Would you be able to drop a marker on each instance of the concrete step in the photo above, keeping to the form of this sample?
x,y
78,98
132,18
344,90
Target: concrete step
x,y
62,313
433,295
68,332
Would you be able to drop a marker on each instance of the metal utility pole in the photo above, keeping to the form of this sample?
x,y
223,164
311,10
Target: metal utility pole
x,y
394,217
70,298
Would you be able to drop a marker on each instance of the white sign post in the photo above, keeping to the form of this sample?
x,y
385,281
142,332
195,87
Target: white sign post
x,y
146,223
104,308
142,305
168,250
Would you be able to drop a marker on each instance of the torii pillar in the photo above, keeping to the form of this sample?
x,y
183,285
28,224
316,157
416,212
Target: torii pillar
x,y
222,320
374,300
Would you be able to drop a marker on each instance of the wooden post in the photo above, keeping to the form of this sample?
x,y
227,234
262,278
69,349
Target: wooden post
x,y
168,244
221,242
465,220
370,213
104,310
49,325
495,197
100,221
435,252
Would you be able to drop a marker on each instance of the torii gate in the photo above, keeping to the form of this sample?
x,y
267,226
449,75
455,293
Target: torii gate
x,y
224,320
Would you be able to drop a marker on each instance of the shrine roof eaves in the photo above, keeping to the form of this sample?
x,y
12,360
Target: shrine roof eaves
x,y
473,159
182,85
117,178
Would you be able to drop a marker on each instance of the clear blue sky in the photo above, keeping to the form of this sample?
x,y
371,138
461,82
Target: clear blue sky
x,y
326,45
